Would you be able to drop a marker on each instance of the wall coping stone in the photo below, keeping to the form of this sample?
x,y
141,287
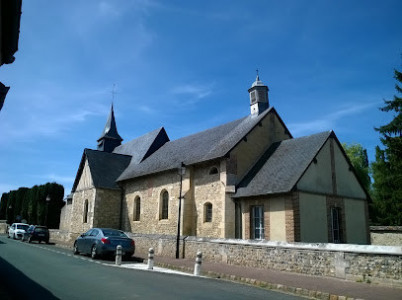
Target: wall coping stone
x,y
354,248
386,228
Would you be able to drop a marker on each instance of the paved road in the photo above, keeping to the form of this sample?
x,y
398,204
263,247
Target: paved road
x,y
38,271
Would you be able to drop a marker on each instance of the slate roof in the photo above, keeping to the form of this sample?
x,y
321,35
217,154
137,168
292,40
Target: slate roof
x,y
203,146
281,166
105,167
139,147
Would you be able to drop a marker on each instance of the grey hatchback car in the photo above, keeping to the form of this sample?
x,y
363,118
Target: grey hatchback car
x,y
102,242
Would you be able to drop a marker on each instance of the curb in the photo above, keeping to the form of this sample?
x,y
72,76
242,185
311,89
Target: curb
x,y
312,294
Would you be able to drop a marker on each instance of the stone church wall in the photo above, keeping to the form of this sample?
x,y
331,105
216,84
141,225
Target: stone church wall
x,y
77,214
65,217
107,208
208,188
250,149
200,188
150,190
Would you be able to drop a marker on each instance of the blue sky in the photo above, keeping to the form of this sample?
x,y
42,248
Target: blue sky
x,y
187,65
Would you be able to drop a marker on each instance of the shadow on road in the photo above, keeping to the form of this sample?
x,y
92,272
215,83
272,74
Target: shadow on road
x,y
15,285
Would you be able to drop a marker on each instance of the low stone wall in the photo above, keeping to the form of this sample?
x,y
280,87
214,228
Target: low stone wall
x,y
386,235
3,226
62,237
361,263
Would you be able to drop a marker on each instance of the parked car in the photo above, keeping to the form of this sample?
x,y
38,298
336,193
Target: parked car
x,y
102,242
36,233
17,230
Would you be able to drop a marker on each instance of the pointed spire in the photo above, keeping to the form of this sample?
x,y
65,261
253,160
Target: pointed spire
x,y
110,138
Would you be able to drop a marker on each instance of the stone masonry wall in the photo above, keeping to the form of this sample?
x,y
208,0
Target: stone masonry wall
x,y
386,235
209,189
362,263
149,190
107,208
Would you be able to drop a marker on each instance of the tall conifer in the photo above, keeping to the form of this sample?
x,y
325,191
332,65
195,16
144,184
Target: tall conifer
x,y
387,169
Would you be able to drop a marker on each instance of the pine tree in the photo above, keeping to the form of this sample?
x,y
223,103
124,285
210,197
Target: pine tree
x,y
387,169
359,159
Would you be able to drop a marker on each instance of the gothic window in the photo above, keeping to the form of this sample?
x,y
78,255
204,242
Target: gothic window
x,y
137,208
208,212
336,224
85,211
257,222
214,170
164,205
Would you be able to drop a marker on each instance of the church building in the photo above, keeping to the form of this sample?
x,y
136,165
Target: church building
x,y
246,179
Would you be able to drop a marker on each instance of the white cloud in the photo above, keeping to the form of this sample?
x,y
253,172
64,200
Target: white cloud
x,y
194,91
58,178
145,109
329,121
50,114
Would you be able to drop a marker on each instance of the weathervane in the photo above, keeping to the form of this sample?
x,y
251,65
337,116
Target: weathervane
x,y
113,92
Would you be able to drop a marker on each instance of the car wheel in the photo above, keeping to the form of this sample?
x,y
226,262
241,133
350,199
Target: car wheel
x,y
76,251
93,252
47,241
14,236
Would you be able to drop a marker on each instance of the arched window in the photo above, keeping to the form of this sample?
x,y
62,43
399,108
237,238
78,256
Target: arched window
x,y
164,209
137,208
213,170
85,211
208,212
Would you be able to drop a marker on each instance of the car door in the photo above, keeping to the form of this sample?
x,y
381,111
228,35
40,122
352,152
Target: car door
x,y
83,242
92,238
12,230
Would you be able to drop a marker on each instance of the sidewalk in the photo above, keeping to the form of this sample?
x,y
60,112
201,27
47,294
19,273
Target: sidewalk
x,y
303,285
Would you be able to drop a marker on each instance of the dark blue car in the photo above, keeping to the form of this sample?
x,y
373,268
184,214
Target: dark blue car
x,y
99,242
36,233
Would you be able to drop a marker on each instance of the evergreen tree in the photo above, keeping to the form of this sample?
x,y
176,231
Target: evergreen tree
x,y
359,159
3,206
19,199
31,205
387,169
11,207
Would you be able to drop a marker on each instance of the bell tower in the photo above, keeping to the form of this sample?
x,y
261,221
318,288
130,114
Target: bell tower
x,y
110,138
258,97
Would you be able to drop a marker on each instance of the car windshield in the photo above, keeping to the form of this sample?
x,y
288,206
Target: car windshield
x,y
24,227
113,233
40,229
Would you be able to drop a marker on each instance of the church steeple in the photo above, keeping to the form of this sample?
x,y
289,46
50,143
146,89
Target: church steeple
x,y
110,138
258,96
